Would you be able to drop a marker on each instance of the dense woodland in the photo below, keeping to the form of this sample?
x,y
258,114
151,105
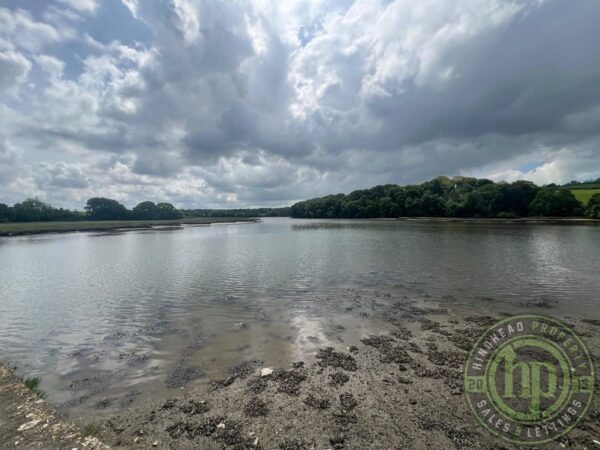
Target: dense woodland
x,y
451,197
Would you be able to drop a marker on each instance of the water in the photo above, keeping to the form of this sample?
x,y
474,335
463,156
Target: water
x,y
105,318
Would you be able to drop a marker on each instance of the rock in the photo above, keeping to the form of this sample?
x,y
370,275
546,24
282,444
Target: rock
x,y
266,372
28,425
239,326
155,444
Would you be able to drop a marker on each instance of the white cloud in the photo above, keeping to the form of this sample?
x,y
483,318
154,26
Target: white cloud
x,y
187,20
85,6
22,31
54,67
132,6
14,68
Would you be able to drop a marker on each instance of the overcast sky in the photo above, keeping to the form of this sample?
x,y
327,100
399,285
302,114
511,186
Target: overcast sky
x,y
224,103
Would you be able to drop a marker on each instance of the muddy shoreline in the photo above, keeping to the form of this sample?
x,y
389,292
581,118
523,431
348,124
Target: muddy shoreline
x,y
396,390
86,227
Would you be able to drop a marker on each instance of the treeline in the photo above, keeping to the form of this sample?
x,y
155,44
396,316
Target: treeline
x,y
249,212
99,208
580,184
33,210
450,197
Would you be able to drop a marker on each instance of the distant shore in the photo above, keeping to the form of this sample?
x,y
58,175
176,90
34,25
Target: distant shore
x,y
516,220
29,228
32,228
475,220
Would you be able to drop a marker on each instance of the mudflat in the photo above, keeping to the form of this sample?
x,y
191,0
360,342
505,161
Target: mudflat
x,y
402,389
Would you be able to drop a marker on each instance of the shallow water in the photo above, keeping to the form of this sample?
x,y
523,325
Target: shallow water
x,y
110,319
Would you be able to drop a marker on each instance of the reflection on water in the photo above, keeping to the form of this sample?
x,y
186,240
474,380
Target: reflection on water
x,y
108,318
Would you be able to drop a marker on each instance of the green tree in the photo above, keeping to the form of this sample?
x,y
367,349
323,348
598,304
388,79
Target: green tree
x,y
593,207
6,213
166,211
516,197
100,208
31,210
555,203
144,211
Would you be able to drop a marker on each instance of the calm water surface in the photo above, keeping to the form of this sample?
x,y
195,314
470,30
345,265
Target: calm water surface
x,y
110,319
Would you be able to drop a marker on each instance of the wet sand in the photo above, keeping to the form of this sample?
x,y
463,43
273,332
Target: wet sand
x,y
399,389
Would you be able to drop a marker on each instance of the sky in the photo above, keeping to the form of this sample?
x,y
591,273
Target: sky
x,y
227,103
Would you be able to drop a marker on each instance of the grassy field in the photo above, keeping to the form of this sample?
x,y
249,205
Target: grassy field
x,y
584,195
21,228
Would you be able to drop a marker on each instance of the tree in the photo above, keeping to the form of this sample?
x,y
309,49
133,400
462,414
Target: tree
x,y
6,213
442,196
167,211
145,211
516,197
593,207
31,210
99,208
555,203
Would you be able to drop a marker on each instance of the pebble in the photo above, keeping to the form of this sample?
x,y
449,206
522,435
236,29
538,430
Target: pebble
x,y
266,372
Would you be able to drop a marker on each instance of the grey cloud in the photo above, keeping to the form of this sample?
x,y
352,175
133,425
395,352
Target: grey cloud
x,y
525,77
62,175
247,102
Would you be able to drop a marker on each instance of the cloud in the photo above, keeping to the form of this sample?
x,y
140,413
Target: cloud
x,y
85,6
14,68
265,102
18,29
